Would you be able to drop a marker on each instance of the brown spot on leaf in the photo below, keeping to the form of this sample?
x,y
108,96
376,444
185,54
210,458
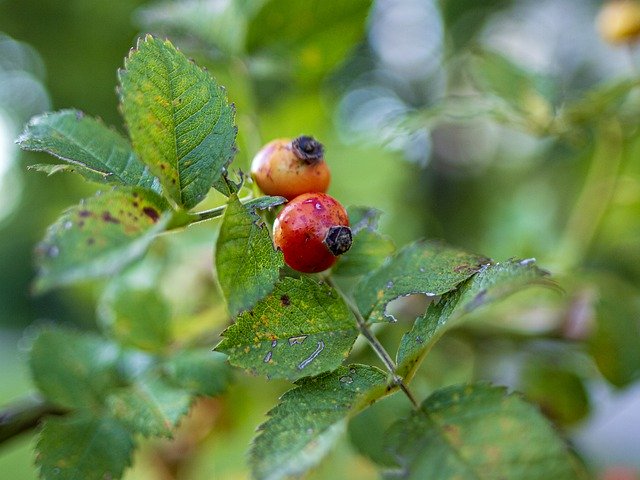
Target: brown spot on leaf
x,y
91,241
285,300
84,213
107,217
136,204
152,213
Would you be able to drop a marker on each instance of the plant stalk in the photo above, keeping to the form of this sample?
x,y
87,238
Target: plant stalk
x,y
375,344
24,415
185,219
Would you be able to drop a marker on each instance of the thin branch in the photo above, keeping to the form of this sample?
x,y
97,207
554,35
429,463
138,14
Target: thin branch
x,y
375,344
24,415
185,219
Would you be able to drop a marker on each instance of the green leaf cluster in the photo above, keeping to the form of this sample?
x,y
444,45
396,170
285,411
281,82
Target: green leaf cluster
x,y
113,392
181,140
137,379
304,329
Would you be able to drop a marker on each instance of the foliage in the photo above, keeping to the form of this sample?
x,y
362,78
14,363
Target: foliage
x,y
139,376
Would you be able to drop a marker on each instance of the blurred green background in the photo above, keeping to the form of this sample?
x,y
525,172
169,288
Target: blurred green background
x,y
508,128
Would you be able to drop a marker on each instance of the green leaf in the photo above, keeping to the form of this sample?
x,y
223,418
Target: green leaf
x,y
93,150
492,283
226,186
363,218
151,407
422,267
369,248
179,120
367,431
73,369
247,263
615,341
82,447
137,317
309,418
301,329
201,372
479,431
311,37
368,252
557,390
264,203
99,237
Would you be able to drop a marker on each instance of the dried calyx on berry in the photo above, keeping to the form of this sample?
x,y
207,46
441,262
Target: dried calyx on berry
x,y
307,149
338,239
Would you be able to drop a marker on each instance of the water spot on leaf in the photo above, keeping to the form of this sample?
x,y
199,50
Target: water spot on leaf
x,y
313,355
267,357
68,224
527,261
389,284
299,340
274,343
352,371
346,379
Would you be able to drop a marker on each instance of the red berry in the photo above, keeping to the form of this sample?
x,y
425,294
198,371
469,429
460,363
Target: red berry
x,y
312,230
289,168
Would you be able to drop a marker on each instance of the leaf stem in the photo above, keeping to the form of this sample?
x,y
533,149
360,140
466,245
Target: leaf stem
x,y
375,344
24,415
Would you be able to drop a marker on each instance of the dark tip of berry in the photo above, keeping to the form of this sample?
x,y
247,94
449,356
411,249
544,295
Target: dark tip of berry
x,y
307,149
338,239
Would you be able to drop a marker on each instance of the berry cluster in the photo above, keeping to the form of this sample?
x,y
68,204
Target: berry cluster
x,y
312,230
